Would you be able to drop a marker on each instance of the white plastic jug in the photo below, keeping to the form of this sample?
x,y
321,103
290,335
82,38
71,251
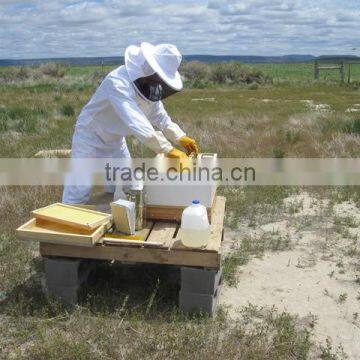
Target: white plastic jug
x,y
195,228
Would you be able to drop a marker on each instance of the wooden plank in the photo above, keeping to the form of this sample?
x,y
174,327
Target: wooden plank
x,y
85,206
144,255
162,233
330,68
115,238
142,234
122,242
167,213
57,153
177,245
217,224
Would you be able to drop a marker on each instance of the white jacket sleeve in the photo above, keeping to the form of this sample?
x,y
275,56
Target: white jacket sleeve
x,y
137,123
160,118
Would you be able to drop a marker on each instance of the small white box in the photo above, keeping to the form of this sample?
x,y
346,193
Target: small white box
x,y
124,214
183,192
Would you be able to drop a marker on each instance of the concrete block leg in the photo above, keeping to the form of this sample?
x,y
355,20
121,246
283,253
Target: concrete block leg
x,y
200,290
193,303
67,294
200,280
173,275
64,277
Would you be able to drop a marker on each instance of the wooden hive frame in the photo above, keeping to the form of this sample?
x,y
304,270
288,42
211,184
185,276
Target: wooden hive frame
x,y
77,217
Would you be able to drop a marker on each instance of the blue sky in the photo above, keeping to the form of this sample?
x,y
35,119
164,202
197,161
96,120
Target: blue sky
x,y
38,28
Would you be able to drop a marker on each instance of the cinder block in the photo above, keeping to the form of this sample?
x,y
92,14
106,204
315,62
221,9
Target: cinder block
x,y
193,303
66,272
67,294
174,275
199,280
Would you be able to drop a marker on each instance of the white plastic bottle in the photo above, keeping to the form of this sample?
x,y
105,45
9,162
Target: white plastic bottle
x,y
195,228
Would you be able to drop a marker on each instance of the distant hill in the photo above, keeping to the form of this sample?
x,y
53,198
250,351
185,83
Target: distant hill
x,y
115,60
250,58
338,58
71,61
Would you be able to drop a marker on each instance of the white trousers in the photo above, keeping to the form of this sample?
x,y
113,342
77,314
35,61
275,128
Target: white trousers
x,y
86,144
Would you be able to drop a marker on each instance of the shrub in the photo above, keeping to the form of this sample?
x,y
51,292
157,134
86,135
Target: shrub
x,y
236,73
16,73
253,86
23,73
202,75
3,125
222,73
278,153
195,70
67,110
348,126
20,119
292,137
352,126
26,125
53,70
199,83
97,76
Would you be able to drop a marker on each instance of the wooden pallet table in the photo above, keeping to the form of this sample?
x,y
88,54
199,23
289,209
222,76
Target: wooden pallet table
x,y
161,245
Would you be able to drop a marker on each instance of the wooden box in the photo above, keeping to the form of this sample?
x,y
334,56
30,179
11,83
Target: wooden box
x,y
50,232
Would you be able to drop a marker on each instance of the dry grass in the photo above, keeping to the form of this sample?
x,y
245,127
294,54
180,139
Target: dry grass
x,y
257,335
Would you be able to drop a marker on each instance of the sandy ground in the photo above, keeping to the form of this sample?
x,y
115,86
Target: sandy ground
x,y
315,278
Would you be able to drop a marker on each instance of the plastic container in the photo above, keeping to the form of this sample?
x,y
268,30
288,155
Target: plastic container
x,y
195,228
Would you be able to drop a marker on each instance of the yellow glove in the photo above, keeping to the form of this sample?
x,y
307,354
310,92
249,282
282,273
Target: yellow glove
x,y
181,160
176,154
189,145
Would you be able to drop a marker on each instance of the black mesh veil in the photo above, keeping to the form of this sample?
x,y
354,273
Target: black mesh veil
x,y
154,88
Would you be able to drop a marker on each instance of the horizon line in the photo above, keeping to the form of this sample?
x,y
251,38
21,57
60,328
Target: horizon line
x,y
185,55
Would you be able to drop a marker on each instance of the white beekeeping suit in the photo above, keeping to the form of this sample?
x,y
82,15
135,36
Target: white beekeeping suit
x,y
118,109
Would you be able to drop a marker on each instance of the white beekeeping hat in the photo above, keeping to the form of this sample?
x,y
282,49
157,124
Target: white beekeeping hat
x,y
147,59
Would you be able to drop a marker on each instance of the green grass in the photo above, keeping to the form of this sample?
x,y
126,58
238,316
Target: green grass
x,y
287,72
303,72
67,110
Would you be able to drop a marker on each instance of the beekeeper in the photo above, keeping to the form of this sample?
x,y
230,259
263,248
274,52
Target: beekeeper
x,y
128,102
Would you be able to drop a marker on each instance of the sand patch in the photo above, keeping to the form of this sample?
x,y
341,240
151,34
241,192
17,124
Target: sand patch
x,y
348,210
355,108
317,108
278,280
317,277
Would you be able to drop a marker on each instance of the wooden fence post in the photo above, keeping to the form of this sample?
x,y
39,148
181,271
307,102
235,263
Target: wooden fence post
x,y
317,71
349,74
342,71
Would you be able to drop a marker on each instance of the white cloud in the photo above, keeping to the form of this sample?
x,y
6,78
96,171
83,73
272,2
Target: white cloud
x,y
36,28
